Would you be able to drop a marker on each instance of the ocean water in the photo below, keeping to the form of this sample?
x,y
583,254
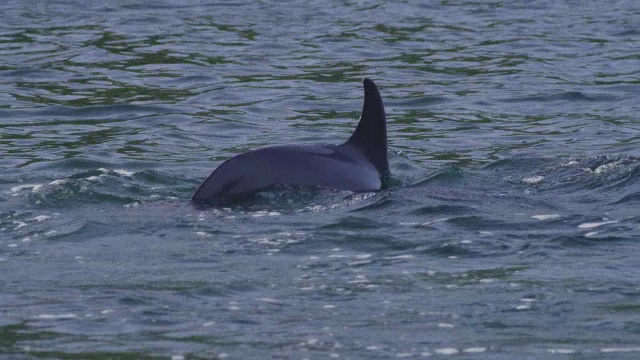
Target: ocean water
x,y
510,229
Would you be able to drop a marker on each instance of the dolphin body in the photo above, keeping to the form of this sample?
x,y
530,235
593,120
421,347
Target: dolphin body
x,y
359,165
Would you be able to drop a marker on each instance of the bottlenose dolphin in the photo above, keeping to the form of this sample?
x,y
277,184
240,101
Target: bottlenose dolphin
x,y
359,165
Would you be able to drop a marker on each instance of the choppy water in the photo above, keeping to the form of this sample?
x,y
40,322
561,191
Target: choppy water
x,y
511,228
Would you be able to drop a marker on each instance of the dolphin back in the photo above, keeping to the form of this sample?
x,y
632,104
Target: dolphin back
x,y
360,164
337,167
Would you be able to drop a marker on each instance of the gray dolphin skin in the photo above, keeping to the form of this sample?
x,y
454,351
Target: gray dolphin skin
x,y
359,165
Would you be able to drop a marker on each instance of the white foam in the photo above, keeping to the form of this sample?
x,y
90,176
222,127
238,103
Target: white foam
x,y
562,351
595,224
233,306
475,350
359,280
545,216
41,218
311,342
606,167
316,208
124,172
58,182
23,187
446,351
56,316
270,300
427,223
265,213
620,349
401,257
533,180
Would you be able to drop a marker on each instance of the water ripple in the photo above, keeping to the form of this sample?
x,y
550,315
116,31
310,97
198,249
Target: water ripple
x,y
513,140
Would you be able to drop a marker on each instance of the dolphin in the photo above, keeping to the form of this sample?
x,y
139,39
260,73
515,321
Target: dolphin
x,y
359,165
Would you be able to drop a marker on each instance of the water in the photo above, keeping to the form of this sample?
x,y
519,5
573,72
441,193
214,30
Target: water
x,y
510,229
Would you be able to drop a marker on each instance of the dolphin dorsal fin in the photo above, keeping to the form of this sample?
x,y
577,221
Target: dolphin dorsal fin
x,y
370,135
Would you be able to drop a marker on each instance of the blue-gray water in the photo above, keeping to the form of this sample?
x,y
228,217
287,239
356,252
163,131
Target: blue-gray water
x,y
511,228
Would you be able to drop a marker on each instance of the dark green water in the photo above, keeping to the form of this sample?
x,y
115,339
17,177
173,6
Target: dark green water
x,y
511,229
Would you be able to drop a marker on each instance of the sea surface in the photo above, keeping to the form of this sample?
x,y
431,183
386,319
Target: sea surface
x,y
510,228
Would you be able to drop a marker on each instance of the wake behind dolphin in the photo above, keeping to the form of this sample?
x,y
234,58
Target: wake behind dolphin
x,y
360,164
